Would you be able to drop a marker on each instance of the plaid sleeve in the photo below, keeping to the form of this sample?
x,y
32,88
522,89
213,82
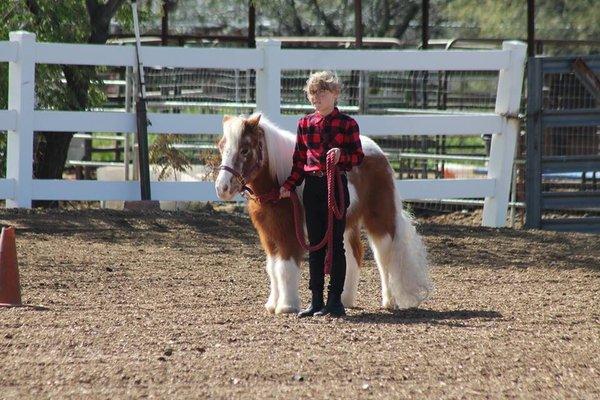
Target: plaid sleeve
x,y
352,153
298,161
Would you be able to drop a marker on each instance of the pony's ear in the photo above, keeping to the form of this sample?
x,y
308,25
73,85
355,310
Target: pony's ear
x,y
226,118
253,121
221,144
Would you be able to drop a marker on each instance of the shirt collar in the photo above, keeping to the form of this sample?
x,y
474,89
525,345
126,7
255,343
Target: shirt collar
x,y
318,117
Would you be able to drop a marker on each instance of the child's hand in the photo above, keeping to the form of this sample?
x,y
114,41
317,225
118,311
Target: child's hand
x,y
284,193
337,152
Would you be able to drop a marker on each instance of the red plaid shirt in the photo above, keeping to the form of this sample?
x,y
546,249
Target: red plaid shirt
x,y
318,134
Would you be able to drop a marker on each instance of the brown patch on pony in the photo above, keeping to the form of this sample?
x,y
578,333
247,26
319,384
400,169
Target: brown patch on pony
x,y
251,138
375,189
356,244
274,221
271,220
252,121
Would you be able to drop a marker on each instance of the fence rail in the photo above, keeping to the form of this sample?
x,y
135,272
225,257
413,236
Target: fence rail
x,y
268,59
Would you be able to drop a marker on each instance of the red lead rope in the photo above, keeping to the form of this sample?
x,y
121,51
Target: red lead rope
x,y
333,209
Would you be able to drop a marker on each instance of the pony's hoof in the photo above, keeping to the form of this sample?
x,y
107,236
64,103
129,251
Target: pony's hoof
x,y
347,302
389,304
270,307
287,309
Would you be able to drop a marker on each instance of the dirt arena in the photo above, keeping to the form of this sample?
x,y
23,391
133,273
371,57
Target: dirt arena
x,y
170,305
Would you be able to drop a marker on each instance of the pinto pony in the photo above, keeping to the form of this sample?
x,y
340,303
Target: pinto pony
x,y
257,155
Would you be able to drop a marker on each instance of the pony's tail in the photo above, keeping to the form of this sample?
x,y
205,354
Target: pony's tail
x,y
409,271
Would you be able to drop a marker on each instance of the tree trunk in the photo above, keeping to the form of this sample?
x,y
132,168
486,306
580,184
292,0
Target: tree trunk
x,y
401,27
50,154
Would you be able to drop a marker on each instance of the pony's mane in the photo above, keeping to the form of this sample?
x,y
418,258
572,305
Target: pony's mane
x,y
280,148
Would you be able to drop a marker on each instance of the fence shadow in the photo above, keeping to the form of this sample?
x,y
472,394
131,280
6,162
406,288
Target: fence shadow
x,y
111,226
476,246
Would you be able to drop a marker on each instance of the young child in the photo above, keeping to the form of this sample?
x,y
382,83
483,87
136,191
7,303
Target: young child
x,y
320,133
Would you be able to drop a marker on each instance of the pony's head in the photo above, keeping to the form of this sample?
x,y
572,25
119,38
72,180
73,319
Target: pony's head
x,y
242,154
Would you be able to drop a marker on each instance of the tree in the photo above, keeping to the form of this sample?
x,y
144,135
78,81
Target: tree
x,y
54,21
305,18
555,19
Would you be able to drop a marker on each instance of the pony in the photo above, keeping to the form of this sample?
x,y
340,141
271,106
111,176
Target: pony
x,y
256,154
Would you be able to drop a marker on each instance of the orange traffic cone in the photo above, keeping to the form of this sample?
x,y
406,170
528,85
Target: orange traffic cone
x,y
10,288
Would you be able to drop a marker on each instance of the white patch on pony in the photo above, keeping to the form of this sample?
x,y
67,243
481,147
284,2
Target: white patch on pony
x,y
353,200
352,273
402,264
280,149
410,282
271,303
381,251
232,133
369,147
287,275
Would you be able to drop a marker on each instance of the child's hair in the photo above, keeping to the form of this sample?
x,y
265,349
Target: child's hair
x,y
325,80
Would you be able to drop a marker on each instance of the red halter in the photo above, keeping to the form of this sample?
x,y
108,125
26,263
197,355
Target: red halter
x,y
241,179
336,211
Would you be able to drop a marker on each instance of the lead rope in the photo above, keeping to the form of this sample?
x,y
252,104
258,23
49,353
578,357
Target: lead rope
x,y
333,210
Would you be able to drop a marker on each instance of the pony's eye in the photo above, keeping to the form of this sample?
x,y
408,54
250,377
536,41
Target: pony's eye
x,y
244,152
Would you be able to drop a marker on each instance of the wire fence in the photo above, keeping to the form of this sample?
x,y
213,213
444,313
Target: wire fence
x,y
379,93
563,92
374,93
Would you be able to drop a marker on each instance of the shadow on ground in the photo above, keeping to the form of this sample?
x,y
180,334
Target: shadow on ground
x,y
418,316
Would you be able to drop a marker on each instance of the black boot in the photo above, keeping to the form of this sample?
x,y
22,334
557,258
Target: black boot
x,y
315,305
334,306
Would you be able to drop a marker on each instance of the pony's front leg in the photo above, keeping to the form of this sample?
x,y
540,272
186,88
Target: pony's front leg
x,y
271,303
287,275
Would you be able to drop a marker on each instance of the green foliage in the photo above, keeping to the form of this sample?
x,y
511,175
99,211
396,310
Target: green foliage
x,y
57,86
555,19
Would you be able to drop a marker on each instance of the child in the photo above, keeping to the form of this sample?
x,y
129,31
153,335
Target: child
x,y
320,133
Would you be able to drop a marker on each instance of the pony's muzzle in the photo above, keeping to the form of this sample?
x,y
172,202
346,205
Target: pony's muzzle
x,y
224,185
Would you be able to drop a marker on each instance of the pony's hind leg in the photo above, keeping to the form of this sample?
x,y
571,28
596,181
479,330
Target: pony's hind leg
x,y
287,276
271,303
381,247
354,253
402,264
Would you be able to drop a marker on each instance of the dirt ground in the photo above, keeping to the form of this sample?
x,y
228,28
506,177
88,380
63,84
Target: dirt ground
x,y
170,305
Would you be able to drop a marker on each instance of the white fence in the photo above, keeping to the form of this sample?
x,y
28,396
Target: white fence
x,y
268,59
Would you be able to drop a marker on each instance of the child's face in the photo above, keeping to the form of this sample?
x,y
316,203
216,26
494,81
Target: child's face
x,y
323,100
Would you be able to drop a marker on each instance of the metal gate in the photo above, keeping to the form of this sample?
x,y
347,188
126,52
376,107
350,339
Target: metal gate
x,y
563,144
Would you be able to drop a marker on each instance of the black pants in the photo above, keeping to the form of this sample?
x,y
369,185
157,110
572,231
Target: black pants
x,y
315,208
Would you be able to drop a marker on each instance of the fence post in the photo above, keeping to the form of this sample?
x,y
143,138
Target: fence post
x,y
268,80
21,98
502,152
533,168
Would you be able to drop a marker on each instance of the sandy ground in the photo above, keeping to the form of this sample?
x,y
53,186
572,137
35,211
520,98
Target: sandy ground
x,y
170,305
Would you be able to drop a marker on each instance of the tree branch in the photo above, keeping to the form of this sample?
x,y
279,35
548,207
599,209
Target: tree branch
x,y
8,14
34,9
92,6
385,22
298,28
100,16
112,6
332,30
401,28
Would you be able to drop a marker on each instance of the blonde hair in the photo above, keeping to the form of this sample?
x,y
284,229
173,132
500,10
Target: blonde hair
x,y
324,80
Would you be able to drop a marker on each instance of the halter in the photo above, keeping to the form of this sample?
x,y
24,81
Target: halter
x,y
239,176
334,210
